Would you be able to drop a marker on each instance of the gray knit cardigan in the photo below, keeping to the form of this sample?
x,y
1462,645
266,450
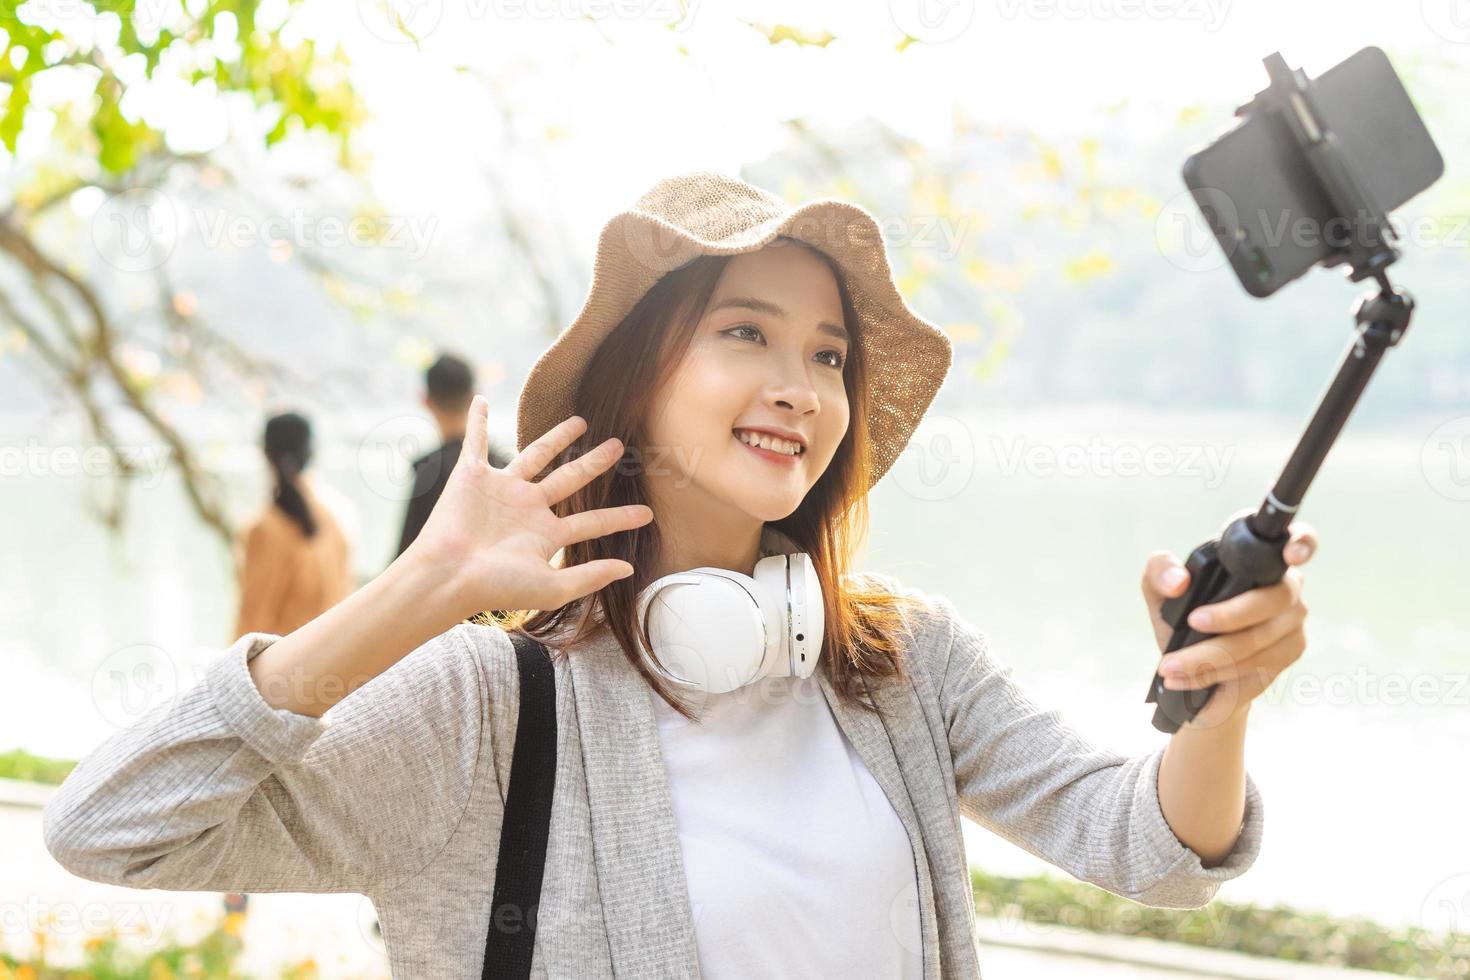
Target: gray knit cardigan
x,y
397,793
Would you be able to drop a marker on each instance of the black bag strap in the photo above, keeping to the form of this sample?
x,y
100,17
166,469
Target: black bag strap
x,y
517,894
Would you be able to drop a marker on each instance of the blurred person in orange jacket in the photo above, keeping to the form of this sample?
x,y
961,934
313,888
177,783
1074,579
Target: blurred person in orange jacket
x,y
294,559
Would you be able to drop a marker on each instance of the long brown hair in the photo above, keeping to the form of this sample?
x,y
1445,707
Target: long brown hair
x,y
860,636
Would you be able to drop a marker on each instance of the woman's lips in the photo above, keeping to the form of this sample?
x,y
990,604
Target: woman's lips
x,y
768,454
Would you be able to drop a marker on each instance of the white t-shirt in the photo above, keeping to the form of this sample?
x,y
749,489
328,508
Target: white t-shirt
x,y
797,864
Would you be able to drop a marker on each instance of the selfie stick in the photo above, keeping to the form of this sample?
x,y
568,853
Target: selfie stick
x,y
1248,552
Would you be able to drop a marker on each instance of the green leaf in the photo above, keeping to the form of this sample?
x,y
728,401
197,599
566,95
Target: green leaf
x,y
122,140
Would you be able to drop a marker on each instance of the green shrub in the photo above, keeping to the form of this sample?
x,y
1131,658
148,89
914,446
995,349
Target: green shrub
x,y
1280,932
20,764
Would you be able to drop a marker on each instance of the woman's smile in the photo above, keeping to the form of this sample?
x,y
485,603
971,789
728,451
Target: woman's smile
x,y
775,454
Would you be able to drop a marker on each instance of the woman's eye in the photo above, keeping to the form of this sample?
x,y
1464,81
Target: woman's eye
x,y
745,326
838,358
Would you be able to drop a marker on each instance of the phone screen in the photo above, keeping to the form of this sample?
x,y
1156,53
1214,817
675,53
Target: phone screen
x,y
1260,197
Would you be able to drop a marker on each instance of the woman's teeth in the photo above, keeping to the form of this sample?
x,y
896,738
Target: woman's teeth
x,y
770,442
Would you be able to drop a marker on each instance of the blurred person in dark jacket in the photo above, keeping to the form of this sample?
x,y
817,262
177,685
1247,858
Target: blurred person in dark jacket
x,y
449,385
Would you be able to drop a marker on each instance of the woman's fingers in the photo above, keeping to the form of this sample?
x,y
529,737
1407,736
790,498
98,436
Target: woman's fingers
x,y
476,443
588,577
596,523
1254,673
1250,607
565,480
1225,657
1164,575
535,457
1302,544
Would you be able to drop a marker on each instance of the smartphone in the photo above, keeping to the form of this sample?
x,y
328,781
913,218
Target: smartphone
x,y
1260,198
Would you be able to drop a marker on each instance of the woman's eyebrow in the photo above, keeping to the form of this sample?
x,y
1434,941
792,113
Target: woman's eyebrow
x,y
757,305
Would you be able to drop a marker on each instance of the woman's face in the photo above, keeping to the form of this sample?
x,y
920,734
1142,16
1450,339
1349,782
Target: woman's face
x,y
769,353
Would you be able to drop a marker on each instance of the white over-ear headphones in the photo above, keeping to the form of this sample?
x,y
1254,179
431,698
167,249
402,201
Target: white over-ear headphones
x,y
715,630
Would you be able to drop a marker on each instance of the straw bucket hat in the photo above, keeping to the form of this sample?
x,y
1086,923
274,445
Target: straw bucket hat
x,y
708,213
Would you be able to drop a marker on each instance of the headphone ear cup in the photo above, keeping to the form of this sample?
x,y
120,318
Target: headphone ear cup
x,y
808,614
707,632
790,581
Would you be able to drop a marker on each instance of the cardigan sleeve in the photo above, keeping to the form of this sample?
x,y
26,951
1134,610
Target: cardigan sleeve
x,y
220,791
1026,775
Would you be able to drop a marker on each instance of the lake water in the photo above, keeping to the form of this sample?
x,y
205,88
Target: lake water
x,y
1036,525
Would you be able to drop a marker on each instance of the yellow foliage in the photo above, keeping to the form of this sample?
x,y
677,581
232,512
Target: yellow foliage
x,y
1084,268
931,196
1051,163
776,33
965,333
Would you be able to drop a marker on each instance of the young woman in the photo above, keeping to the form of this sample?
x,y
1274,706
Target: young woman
x,y
740,375
294,560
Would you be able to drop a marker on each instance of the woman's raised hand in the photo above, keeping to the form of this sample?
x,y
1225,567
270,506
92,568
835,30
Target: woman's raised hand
x,y
493,533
